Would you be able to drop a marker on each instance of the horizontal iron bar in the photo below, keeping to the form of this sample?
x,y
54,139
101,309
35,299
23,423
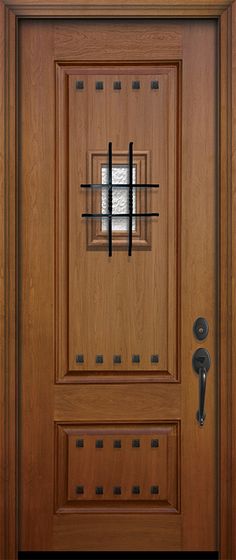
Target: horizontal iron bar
x,y
117,186
134,215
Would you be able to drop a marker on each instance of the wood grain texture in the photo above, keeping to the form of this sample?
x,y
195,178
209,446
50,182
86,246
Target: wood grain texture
x,y
232,123
87,43
10,303
36,280
198,285
225,293
124,467
171,78
3,396
119,3
122,531
93,276
96,235
192,9
119,8
77,403
146,316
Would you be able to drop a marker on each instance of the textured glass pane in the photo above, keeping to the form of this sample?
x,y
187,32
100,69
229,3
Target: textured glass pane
x,y
120,197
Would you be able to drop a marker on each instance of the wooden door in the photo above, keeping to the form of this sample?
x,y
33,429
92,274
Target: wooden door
x,y
112,456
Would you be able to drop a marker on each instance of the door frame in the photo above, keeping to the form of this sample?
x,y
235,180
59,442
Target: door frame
x,y
11,11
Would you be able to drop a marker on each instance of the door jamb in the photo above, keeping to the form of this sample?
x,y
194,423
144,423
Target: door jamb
x,y
10,13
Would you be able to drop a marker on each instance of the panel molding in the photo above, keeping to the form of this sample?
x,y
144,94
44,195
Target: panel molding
x,y
10,12
96,238
164,460
118,8
63,372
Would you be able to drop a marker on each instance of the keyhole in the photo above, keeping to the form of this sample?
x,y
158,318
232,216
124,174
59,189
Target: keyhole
x,y
200,328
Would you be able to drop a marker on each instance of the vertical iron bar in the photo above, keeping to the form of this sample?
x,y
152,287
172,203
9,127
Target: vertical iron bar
x,y
110,197
130,197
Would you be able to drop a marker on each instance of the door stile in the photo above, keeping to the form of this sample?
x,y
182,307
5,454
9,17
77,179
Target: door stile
x,y
232,121
9,462
225,292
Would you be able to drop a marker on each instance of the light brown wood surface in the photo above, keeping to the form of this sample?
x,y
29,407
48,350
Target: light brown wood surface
x,y
65,288
152,470
8,449
2,298
117,8
140,320
232,457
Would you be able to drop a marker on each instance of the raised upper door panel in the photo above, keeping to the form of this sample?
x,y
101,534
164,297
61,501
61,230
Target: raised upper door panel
x,y
117,316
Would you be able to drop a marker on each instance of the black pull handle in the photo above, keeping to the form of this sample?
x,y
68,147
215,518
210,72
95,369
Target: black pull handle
x,y
202,391
201,364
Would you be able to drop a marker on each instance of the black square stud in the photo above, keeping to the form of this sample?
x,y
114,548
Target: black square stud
x,y
154,84
79,84
136,358
117,443
135,490
99,359
136,84
99,490
79,359
155,443
117,359
154,489
79,443
99,85
154,358
79,489
135,443
116,85
99,443
117,490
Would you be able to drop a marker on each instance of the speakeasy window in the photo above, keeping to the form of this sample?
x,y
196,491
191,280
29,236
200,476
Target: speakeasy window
x,y
112,213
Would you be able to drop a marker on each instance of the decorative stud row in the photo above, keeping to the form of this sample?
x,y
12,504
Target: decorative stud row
x,y
117,443
117,85
117,490
117,359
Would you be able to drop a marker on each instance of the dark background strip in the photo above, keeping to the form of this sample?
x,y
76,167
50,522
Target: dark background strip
x,y
80,555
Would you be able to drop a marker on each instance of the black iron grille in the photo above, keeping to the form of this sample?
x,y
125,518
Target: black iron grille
x,y
130,185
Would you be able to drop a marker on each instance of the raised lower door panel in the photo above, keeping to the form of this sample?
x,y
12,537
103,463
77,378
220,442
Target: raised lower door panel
x,y
112,456
133,466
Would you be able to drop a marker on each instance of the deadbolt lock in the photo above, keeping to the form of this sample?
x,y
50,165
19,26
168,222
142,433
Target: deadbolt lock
x,y
200,328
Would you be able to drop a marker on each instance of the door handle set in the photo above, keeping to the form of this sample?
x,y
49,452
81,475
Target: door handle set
x,y
201,364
